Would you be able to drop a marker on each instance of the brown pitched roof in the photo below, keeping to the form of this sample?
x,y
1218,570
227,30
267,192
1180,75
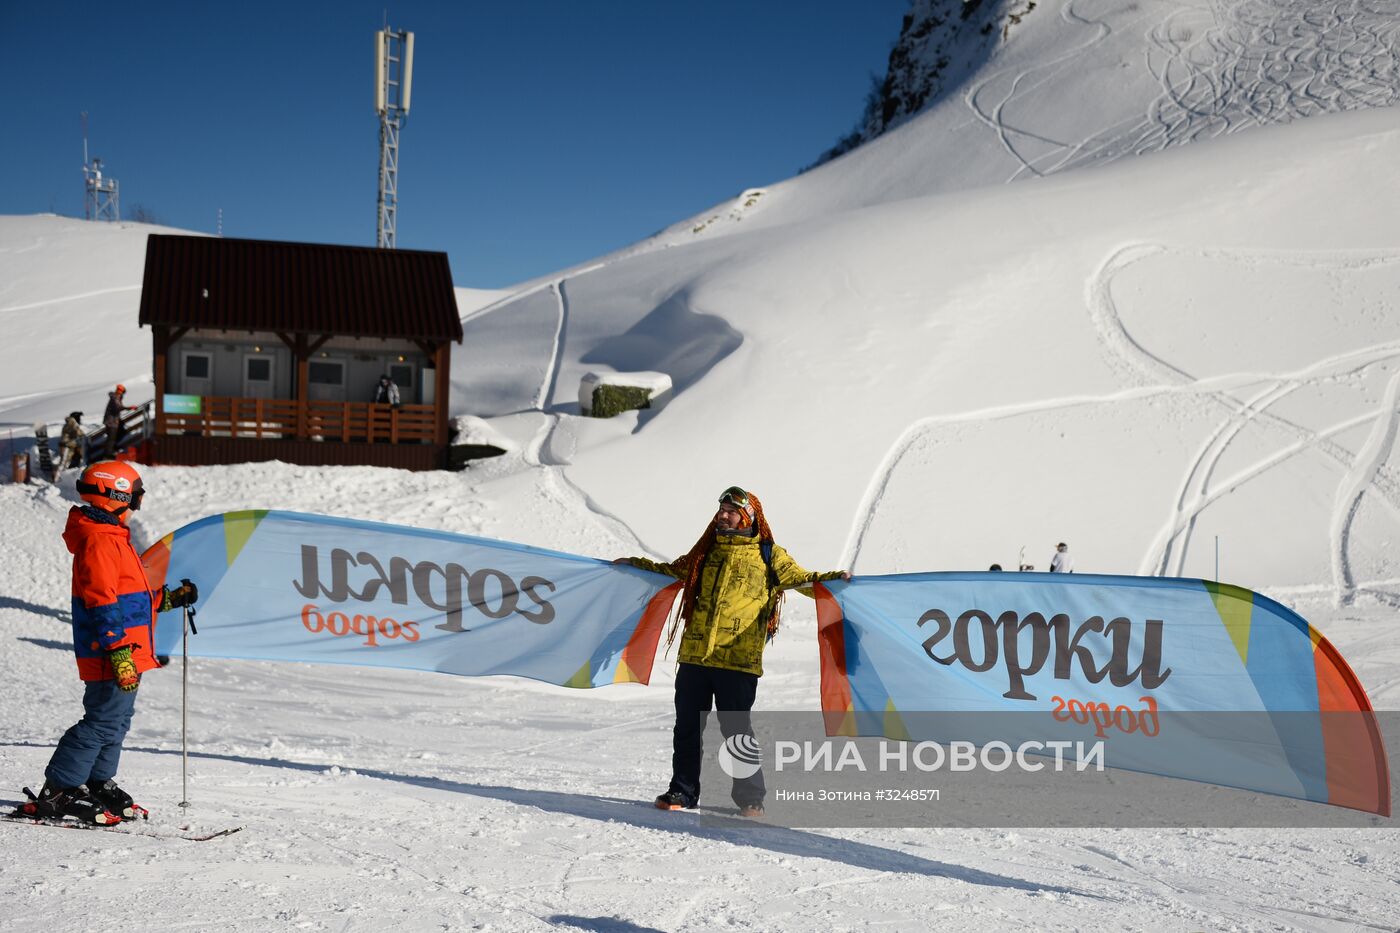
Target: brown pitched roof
x,y
354,291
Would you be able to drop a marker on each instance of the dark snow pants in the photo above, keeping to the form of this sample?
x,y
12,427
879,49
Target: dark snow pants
x,y
698,690
89,751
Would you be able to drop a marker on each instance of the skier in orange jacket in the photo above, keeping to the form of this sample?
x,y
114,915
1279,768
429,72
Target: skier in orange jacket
x,y
114,611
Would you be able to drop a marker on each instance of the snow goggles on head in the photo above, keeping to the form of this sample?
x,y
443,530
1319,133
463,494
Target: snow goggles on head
x,y
132,498
735,497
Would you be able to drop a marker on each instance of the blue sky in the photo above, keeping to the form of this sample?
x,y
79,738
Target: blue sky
x,y
541,133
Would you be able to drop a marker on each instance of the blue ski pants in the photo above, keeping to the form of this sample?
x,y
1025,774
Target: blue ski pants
x,y
89,751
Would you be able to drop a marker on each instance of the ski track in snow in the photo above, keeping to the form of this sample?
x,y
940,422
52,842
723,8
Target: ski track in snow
x,y
1168,552
1368,463
542,451
1274,61
1149,375
994,118
66,298
508,299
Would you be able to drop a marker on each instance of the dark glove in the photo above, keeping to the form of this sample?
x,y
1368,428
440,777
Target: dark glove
x,y
186,594
124,668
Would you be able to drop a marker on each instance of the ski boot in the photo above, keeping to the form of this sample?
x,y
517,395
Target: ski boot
x,y
54,803
118,801
673,800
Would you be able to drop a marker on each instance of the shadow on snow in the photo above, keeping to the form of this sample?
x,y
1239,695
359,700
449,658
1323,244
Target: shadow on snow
x,y
641,814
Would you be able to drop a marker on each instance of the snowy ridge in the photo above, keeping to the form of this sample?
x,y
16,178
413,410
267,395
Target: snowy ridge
x,y
1160,74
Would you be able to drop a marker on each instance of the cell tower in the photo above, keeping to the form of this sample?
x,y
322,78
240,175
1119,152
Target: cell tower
x,y
393,85
100,197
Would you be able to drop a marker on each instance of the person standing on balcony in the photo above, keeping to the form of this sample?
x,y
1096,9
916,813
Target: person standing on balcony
x,y
112,419
1062,562
387,392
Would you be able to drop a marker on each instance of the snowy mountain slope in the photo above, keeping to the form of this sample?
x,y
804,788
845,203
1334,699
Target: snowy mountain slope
x,y
1186,338
1071,83
73,332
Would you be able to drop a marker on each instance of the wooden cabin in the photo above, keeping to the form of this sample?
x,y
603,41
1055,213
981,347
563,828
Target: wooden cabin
x,y
273,351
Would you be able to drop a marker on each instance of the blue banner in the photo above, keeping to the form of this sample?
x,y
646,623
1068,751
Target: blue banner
x,y
292,587
1144,666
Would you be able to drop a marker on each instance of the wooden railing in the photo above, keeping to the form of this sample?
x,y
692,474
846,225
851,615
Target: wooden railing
x,y
286,418
348,421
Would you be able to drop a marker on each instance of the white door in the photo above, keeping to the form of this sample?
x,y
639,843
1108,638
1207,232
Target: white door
x,y
196,373
257,376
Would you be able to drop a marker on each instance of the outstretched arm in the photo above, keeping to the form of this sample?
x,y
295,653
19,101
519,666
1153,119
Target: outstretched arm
x,y
790,573
678,568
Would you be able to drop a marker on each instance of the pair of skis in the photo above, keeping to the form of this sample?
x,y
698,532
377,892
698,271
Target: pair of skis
x,y
25,813
126,828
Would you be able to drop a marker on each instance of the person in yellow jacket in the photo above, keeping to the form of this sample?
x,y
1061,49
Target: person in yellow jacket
x,y
729,607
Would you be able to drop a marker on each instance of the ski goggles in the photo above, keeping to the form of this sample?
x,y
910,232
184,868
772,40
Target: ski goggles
x,y
735,497
131,499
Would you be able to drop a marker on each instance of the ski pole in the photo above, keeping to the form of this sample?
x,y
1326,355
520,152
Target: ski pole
x,y
184,707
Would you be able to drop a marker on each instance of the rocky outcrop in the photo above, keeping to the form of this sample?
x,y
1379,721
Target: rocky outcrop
x,y
940,43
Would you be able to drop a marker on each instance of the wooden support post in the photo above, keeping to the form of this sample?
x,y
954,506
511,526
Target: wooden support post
x,y
442,360
303,358
161,341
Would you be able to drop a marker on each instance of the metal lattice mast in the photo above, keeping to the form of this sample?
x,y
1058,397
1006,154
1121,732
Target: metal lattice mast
x,y
393,68
101,200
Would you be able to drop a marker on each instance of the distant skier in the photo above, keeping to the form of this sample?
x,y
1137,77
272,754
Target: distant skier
x,y
112,419
387,392
729,608
1062,562
70,443
114,611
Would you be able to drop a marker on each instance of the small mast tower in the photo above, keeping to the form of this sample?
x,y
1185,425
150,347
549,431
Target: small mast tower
x,y
100,196
393,87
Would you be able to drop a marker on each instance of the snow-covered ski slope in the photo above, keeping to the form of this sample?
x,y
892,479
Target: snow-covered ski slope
x,y
1203,340
1072,83
1137,357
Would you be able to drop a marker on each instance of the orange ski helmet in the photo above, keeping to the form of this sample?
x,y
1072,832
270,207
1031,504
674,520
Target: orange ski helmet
x,y
112,486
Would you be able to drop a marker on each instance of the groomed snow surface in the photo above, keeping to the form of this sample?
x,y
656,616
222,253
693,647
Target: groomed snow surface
x,y
375,799
1141,356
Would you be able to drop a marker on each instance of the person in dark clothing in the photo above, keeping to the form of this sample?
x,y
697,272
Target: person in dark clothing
x,y
70,442
729,607
387,392
112,420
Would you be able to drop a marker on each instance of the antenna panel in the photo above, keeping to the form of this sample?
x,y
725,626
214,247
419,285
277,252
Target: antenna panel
x,y
407,70
380,63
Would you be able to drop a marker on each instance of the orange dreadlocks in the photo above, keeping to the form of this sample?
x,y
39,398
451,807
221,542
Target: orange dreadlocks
x,y
694,561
